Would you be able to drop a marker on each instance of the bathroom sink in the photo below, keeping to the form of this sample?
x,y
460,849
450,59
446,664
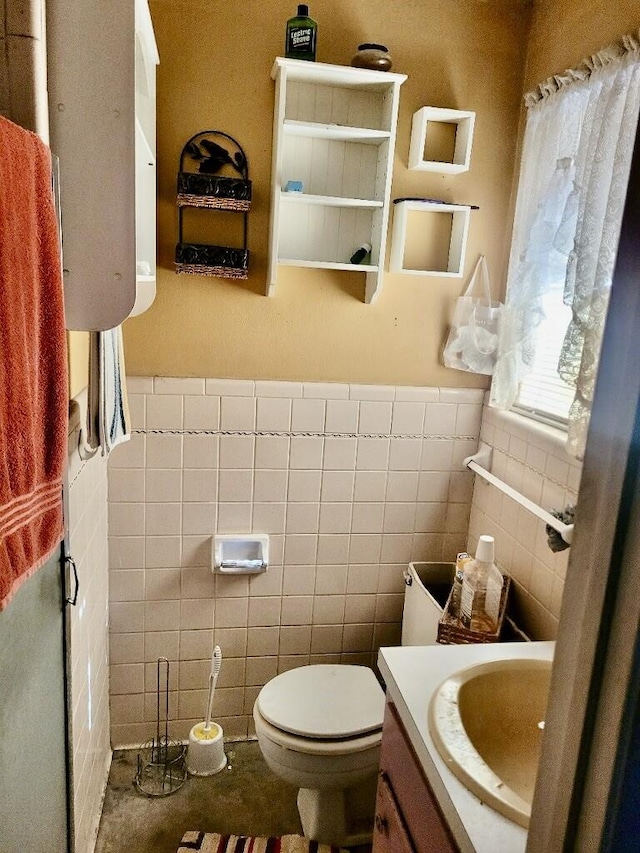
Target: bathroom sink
x,y
487,722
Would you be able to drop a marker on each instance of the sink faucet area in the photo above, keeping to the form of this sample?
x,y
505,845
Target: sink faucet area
x,y
487,722
474,716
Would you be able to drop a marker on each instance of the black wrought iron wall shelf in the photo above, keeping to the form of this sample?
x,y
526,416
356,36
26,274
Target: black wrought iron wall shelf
x,y
206,154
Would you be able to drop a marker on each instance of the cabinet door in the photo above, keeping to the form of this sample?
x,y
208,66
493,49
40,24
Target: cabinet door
x,y
389,832
426,827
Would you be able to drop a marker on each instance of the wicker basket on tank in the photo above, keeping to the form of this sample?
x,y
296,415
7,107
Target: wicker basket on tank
x,y
451,631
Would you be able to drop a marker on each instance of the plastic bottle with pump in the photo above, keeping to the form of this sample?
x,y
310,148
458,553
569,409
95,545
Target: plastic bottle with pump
x,y
482,589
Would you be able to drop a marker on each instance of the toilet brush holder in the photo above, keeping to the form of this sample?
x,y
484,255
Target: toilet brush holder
x,y
205,753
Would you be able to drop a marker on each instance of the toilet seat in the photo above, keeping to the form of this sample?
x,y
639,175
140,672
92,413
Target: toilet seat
x,y
324,702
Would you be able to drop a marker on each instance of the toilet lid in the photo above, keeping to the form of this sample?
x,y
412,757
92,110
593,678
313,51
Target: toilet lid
x,y
324,701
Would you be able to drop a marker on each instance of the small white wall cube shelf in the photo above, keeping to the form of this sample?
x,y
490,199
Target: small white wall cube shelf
x,y
334,131
456,218
464,123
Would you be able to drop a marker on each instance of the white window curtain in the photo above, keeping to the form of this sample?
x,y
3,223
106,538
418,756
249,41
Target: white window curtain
x,y
576,157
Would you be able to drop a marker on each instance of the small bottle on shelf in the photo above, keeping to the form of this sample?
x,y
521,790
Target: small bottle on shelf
x,y
482,589
301,36
462,560
361,253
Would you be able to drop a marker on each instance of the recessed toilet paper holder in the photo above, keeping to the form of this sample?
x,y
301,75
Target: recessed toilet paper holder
x,y
239,554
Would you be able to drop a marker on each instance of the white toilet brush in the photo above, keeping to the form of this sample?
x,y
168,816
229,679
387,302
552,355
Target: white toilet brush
x,y
206,755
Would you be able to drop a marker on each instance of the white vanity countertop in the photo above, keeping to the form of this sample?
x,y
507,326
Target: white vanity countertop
x,y
412,674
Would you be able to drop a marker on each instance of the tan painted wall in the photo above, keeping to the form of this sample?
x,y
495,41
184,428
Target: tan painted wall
x,y
215,73
563,33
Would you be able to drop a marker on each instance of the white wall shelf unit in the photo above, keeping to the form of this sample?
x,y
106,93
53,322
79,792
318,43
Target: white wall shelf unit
x,y
334,131
425,124
453,218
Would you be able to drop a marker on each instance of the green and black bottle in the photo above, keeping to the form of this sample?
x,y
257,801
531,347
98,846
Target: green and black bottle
x,y
300,41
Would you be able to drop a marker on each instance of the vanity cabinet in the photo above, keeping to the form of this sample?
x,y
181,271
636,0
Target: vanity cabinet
x,y
407,817
334,134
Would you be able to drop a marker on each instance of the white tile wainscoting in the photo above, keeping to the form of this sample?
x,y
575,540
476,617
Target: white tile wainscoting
x,y
351,482
531,458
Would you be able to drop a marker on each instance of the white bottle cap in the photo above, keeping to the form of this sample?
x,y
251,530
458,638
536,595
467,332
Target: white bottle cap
x,y
485,552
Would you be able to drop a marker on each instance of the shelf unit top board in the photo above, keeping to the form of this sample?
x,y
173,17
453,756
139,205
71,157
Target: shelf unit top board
x,y
338,75
317,130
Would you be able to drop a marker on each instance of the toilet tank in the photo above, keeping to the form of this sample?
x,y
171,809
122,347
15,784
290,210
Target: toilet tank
x,y
427,587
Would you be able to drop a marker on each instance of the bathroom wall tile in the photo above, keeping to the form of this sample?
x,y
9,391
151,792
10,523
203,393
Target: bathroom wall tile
x,y
436,455
294,640
269,518
235,485
126,585
304,486
396,548
408,418
404,454
198,518
197,583
163,485
263,642
371,393
333,549
201,451
331,580
375,417
126,648
196,550
271,485
261,670
372,454
335,518
328,609
162,552
230,387
306,452
300,550
139,384
270,388
362,579
162,615
231,613
161,644
232,640
234,517
196,613
267,583
192,674
342,416
430,517
302,518
126,552
164,412
164,451
370,486
201,412
339,454
163,518
264,611
126,519
297,610
126,485
389,607
325,390
399,518
365,548
357,638
402,486
130,454
462,395
179,386
272,452
367,518
440,419
391,578
273,414
127,709
162,584
360,609
308,415
196,644
298,580
410,394
326,639
237,413
126,617
126,678
137,410
231,586
236,451
337,485
200,485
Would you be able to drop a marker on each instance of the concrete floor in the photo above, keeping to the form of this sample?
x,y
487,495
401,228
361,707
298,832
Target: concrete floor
x,y
243,799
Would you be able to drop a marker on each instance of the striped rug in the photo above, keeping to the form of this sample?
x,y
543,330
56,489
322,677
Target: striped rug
x,y
212,842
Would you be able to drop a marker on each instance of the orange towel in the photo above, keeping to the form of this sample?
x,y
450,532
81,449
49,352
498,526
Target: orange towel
x,y
33,361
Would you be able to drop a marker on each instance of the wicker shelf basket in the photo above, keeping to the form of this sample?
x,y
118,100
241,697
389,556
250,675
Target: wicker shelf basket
x,y
452,632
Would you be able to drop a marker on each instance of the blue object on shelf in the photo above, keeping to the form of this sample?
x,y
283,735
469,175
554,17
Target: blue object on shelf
x,y
293,187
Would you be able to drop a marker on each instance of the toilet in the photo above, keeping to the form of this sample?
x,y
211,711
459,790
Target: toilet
x,y
319,728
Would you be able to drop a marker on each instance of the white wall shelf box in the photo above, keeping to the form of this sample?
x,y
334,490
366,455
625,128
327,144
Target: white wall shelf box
x,y
424,122
334,131
455,221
